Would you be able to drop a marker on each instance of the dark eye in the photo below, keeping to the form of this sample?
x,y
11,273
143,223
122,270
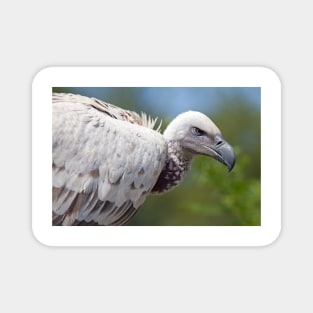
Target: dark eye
x,y
197,131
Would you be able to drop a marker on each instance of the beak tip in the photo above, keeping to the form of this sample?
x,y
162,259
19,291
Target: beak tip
x,y
231,165
226,155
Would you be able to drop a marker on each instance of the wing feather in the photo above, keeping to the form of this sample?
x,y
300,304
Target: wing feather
x,y
103,165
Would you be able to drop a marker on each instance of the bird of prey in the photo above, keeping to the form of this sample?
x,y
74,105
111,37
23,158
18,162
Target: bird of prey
x,y
107,160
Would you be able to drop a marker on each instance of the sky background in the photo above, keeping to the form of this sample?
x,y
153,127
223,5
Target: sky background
x,y
170,101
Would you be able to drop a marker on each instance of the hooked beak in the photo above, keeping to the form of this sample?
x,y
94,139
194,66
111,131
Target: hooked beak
x,y
223,152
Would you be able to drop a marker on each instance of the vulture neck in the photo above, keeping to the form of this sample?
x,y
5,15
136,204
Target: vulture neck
x,y
177,163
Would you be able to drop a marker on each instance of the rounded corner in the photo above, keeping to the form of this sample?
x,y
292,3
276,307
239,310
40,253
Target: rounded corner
x,y
39,239
271,73
41,74
273,238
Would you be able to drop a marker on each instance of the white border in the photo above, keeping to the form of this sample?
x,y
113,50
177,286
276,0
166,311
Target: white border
x,y
157,77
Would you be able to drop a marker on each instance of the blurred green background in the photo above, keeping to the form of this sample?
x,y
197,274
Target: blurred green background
x,y
209,195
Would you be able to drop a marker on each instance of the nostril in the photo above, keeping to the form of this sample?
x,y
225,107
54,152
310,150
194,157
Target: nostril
x,y
219,143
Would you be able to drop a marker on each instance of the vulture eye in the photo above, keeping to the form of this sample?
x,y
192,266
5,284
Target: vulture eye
x,y
197,132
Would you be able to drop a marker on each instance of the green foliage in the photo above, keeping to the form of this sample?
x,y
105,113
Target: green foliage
x,y
209,196
235,197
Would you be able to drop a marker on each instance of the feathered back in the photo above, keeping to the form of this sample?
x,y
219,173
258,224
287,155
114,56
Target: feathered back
x,y
105,161
109,109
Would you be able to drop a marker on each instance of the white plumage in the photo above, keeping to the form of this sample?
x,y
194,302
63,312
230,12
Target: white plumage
x,y
106,160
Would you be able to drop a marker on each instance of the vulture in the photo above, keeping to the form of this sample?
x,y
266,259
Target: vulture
x,y
107,160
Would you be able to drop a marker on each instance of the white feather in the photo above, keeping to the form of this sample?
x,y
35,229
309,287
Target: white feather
x,y
96,154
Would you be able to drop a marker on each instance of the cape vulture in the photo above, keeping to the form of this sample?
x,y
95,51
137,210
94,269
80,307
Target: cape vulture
x,y
106,160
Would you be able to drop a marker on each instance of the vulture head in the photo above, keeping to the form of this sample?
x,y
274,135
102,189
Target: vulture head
x,y
196,134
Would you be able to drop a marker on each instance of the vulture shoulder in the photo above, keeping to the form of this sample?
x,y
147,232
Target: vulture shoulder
x,y
105,161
